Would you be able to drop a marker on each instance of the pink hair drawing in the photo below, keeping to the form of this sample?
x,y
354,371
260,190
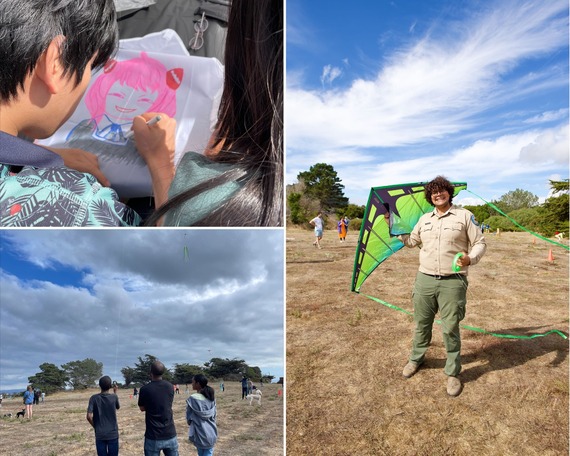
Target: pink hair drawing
x,y
141,73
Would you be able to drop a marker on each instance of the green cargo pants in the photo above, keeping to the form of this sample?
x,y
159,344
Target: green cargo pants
x,y
448,296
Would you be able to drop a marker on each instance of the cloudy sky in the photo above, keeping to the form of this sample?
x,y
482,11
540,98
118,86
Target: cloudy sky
x,y
67,295
400,91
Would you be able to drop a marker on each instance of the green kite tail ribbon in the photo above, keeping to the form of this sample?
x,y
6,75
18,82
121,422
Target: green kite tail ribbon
x,y
552,241
472,328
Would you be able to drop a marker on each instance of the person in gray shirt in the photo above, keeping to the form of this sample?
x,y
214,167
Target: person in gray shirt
x,y
102,415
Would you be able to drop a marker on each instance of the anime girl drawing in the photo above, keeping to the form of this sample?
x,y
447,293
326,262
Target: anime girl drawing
x,y
124,90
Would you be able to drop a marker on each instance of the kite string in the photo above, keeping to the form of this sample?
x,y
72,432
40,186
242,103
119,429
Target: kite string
x,y
118,332
472,328
552,241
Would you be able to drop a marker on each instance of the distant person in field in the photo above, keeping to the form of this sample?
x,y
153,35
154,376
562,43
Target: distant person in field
x,y
29,402
201,416
341,228
317,222
155,399
442,233
102,415
243,387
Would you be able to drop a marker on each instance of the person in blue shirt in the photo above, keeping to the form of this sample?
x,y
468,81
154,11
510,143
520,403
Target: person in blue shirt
x,y
29,401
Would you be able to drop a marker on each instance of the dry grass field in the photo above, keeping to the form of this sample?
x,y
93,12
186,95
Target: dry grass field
x,y
345,354
59,427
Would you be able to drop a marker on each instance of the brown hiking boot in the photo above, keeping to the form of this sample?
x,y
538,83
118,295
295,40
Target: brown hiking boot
x,y
454,386
410,369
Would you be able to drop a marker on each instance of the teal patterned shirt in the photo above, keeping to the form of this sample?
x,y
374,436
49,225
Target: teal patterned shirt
x,y
53,195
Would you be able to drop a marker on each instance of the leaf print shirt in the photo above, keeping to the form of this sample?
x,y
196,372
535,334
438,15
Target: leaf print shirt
x,y
46,193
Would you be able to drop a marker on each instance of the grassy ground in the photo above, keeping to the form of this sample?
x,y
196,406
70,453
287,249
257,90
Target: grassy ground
x,y
345,354
59,426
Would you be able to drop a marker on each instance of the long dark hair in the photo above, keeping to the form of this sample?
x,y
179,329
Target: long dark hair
x,y
250,121
205,390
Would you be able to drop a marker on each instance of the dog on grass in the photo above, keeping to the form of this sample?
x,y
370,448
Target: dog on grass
x,y
7,415
255,395
22,413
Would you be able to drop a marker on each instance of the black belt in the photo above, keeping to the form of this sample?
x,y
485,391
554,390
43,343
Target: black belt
x,y
441,277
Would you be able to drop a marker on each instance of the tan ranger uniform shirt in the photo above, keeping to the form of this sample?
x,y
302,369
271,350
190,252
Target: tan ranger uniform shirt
x,y
442,237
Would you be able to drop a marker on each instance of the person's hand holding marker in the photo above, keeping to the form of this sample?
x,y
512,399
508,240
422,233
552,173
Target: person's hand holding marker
x,y
129,134
155,139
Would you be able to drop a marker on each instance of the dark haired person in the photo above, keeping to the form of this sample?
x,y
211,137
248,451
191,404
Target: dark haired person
x,y
239,182
155,399
102,415
442,233
201,416
29,401
48,49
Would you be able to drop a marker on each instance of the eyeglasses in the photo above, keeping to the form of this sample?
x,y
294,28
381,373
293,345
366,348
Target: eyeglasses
x,y
197,41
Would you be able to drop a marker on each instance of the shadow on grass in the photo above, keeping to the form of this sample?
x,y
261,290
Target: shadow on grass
x,y
501,354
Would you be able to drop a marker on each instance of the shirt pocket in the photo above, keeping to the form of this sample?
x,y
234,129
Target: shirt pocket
x,y
427,233
453,232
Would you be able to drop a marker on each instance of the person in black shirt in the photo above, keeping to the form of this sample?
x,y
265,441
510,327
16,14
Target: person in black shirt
x,y
102,415
155,399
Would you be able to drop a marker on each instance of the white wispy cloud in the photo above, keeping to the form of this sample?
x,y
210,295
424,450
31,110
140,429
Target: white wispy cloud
x,y
460,84
329,74
490,163
435,87
549,116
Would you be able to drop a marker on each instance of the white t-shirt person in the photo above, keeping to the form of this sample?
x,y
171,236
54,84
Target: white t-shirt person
x,y
317,222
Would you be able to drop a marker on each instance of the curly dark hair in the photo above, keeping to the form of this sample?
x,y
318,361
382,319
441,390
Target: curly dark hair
x,y
439,184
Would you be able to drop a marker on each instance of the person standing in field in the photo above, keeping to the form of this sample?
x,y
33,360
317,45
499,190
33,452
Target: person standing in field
x,y
29,401
341,228
201,416
317,222
243,387
443,233
102,415
155,399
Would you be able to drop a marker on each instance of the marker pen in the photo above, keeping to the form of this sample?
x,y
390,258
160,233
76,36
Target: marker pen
x,y
129,134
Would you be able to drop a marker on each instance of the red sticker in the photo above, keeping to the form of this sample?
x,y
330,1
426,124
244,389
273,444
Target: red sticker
x,y
15,209
174,78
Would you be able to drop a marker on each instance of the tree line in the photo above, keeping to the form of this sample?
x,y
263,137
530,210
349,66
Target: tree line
x,y
82,374
320,189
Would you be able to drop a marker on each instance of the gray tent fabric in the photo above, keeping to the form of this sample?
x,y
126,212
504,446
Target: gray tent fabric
x,y
126,5
181,16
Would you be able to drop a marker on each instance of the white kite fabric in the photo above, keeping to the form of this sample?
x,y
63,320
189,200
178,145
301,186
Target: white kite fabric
x,y
151,73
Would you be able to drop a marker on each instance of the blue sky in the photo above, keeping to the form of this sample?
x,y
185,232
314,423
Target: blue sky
x,y
391,92
115,295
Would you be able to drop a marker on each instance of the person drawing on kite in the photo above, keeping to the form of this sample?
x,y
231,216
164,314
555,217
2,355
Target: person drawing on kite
x,y
451,241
